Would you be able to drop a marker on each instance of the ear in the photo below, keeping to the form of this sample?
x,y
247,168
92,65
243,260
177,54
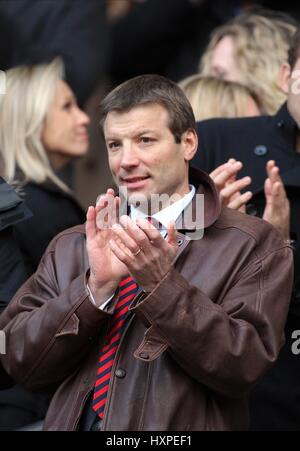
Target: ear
x,y
190,143
284,77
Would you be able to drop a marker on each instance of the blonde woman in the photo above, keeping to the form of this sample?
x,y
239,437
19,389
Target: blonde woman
x,y
41,129
211,97
250,50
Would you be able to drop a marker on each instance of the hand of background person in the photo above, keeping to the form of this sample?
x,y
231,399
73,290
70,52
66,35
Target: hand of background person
x,y
106,270
229,187
147,256
277,210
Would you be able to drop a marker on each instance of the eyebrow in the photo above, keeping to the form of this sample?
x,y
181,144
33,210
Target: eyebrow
x,y
144,132
139,133
68,98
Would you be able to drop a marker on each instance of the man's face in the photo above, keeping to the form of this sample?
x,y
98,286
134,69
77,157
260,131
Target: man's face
x,y
143,155
294,93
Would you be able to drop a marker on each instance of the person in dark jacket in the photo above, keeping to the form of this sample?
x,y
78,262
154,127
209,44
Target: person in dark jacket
x,y
260,143
12,268
13,272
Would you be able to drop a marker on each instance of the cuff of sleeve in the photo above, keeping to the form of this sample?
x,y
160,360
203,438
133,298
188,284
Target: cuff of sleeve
x,y
81,316
105,304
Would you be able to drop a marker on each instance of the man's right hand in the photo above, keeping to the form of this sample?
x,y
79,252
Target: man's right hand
x,y
106,271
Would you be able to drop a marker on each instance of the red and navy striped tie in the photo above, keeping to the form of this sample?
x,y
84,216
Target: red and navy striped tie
x,y
127,291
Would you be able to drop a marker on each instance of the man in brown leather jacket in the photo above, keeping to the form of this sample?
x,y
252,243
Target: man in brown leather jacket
x,y
213,288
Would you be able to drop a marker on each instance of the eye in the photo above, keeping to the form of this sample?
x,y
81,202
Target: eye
x,y
67,106
146,139
113,145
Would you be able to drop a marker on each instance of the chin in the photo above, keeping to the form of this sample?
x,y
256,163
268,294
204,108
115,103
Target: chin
x,y
81,151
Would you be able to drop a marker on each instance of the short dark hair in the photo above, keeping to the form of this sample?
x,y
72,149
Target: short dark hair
x,y
294,51
146,89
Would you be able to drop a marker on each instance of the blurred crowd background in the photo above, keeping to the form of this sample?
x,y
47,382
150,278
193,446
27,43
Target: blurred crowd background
x,y
103,43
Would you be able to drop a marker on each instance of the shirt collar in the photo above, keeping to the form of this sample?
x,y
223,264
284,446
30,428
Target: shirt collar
x,y
170,213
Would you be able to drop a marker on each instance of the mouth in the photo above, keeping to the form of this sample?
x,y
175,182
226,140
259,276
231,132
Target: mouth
x,y
134,182
82,136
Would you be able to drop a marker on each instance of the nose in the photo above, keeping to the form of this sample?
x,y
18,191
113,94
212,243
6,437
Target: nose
x,y
129,156
82,117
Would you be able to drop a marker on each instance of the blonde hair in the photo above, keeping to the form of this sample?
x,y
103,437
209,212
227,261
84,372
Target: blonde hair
x,y
30,90
212,97
261,47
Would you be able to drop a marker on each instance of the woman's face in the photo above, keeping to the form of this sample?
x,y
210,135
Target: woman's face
x,y
65,134
223,63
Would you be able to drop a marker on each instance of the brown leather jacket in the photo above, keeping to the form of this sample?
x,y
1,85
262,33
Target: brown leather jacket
x,y
191,349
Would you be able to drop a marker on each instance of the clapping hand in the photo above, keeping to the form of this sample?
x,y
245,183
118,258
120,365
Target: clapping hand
x,y
106,270
229,187
277,210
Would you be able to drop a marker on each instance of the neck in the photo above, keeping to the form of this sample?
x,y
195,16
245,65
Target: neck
x,y
57,160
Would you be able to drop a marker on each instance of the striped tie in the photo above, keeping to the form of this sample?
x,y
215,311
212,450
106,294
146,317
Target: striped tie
x,y
127,291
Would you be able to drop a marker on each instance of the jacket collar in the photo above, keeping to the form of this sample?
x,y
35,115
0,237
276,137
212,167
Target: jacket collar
x,y
212,207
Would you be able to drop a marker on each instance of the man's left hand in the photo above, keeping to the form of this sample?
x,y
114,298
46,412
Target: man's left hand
x,y
143,250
